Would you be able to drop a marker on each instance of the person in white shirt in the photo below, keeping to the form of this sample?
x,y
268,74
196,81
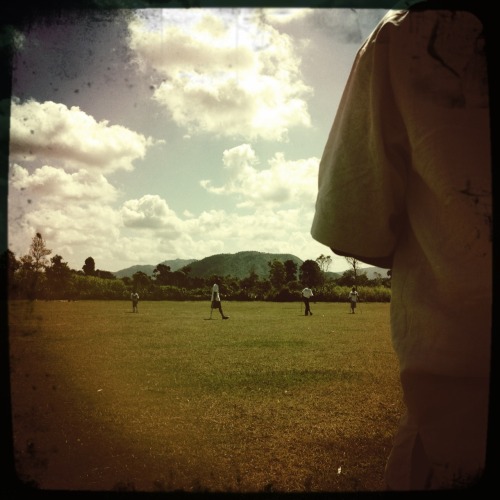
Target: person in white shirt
x,y
216,302
408,164
307,293
134,297
353,298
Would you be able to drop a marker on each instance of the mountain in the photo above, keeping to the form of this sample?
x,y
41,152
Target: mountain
x,y
239,265
148,269
369,271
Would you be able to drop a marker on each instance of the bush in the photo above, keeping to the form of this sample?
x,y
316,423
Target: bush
x,y
374,293
91,287
336,293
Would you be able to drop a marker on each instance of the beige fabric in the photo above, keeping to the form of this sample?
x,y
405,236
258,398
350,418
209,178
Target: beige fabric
x,y
405,179
408,145
442,441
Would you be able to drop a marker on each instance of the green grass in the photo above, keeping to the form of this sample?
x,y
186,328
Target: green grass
x,y
166,399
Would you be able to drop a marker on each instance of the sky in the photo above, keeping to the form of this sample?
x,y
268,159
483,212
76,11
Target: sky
x,y
140,136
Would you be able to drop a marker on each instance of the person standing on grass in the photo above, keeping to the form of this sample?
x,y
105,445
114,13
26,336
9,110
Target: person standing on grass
x,y
408,164
134,297
216,302
353,299
307,293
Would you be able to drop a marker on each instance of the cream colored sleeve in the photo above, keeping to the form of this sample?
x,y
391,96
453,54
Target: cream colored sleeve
x,y
361,183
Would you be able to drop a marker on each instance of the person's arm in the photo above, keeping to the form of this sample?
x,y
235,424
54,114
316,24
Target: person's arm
x,y
360,207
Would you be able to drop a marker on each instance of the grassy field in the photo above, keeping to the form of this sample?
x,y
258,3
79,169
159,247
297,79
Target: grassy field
x,y
166,399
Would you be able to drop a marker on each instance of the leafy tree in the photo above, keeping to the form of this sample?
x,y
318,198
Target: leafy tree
x,y
310,274
231,287
178,278
9,264
324,262
277,273
26,263
354,263
140,280
291,268
107,275
39,253
31,272
250,281
89,267
187,269
214,278
263,289
26,278
351,278
380,280
127,281
8,267
248,286
58,277
162,274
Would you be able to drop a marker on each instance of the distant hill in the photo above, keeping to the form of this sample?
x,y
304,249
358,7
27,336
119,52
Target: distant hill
x,y
239,265
148,269
369,271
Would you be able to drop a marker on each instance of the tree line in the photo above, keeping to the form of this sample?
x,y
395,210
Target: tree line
x,y
36,276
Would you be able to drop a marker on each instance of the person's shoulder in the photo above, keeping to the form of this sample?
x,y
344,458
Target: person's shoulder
x,y
392,18
395,22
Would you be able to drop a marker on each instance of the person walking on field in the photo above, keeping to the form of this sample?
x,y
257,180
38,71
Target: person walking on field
x,y
353,299
216,302
408,164
134,297
307,293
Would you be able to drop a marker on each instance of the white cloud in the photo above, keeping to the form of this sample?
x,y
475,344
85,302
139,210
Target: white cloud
x,y
234,77
147,231
264,230
224,73
156,233
216,231
150,211
65,208
75,232
284,181
50,184
72,138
